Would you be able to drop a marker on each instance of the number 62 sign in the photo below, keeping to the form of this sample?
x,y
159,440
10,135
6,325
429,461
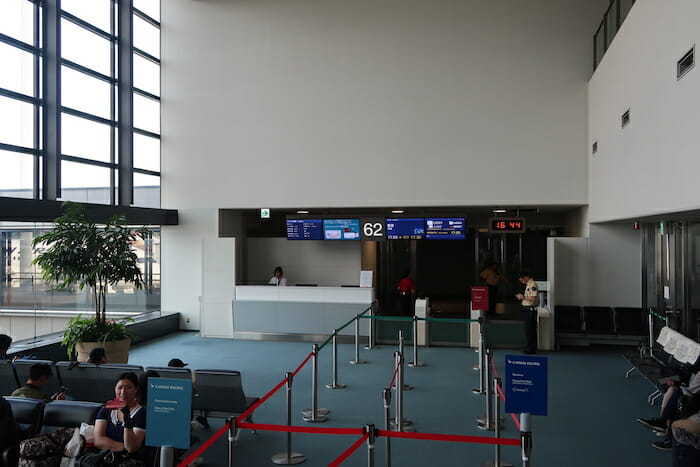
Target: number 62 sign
x,y
373,228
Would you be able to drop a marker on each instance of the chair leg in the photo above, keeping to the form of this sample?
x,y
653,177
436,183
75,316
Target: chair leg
x,y
630,371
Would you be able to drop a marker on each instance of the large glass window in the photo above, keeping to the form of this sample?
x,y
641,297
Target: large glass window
x,y
88,71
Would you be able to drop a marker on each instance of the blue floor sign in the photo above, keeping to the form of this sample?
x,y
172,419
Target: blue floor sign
x,y
168,412
526,384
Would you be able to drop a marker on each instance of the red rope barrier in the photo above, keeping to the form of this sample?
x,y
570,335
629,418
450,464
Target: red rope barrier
x,y
301,365
348,452
300,429
205,445
451,438
260,401
503,396
393,378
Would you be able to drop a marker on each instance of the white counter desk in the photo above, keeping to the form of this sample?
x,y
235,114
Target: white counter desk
x,y
267,312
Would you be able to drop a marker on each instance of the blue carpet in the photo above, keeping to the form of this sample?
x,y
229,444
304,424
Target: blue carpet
x,y
591,422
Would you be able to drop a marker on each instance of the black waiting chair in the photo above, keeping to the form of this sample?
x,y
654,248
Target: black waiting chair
x,y
8,378
23,367
220,394
630,321
68,414
28,413
568,319
94,383
171,372
598,320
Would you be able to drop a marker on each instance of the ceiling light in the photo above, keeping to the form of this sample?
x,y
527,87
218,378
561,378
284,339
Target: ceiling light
x,y
397,211
499,211
302,212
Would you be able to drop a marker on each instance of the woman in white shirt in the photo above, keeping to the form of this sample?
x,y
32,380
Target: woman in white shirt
x,y
277,279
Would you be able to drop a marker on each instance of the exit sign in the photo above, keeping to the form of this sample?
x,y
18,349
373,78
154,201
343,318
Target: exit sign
x,y
507,224
264,213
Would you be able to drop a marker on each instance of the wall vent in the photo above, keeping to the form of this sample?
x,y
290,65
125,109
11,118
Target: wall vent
x,y
686,63
595,147
625,118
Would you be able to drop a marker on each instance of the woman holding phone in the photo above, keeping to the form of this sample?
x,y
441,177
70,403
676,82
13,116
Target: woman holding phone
x,y
120,425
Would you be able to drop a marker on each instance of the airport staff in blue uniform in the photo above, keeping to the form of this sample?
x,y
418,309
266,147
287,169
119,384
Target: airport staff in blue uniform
x,y
528,304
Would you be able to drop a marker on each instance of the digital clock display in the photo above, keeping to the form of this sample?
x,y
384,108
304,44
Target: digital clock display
x,y
503,224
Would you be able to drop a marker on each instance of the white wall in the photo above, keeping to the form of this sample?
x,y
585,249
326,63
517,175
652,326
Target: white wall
x,y
336,103
305,262
602,270
651,166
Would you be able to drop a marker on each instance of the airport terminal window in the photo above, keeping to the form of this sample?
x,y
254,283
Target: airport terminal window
x,y
37,308
87,98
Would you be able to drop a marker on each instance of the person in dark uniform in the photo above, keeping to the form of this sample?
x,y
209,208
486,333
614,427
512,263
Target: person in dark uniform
x,y
528,304
406,289
492,278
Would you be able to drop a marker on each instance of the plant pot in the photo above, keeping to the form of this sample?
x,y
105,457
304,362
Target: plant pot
x,y
116,351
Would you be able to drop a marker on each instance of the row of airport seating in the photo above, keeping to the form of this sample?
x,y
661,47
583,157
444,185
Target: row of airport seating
x,y
218,394
600,320
35,416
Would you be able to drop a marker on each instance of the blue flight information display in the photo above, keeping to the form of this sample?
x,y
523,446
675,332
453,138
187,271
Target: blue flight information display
x,y
341,229
405,229
448,228
304,229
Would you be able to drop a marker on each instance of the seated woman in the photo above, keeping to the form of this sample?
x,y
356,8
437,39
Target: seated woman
x,y
120,426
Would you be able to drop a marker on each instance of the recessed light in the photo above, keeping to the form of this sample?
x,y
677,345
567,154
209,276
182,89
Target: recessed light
x,y
302,212
397,211
499,211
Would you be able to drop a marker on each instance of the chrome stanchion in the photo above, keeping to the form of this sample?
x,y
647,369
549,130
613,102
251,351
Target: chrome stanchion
x,y
651,333
415,361
314,414
371,441
483,362
477,350
400,423
387,422
357,360
231,440
525,439
497,432
406,387
372,343
289,457
335,384
486,422
167,456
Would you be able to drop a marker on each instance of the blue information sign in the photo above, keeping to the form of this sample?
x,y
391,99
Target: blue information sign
x,y
449,228
526,384
169,411
304,229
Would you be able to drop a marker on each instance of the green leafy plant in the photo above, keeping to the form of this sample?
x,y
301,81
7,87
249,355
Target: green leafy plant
x,y
78,251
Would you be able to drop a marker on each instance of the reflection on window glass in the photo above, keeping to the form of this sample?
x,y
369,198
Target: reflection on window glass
x,y
85,93
85,48
17,174
146,114
84,183
85,138
17,19
146,75
146,153
146,191
150,7
95,12
146,37
17,70
16,122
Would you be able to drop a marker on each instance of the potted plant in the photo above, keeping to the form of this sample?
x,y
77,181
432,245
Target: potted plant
x,y
78,251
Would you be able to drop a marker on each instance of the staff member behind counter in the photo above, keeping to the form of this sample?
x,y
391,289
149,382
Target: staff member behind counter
x,y
277,279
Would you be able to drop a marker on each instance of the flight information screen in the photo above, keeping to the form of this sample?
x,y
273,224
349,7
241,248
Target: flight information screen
x,y
341,229
304,229
448,228
405,229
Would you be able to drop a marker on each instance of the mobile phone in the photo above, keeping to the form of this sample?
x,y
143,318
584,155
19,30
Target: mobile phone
x,y
115,404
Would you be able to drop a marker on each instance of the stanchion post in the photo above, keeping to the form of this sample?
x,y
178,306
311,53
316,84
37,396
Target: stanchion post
x,y
371,344
415,361
404,386
288,457
525,439
335,384
651,333
483,362
167,456
497,426
488,422
357,360
398,422
371,442
231,440
314,414
387,423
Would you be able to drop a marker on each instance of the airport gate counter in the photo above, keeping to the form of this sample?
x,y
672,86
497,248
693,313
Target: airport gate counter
x,y
263,312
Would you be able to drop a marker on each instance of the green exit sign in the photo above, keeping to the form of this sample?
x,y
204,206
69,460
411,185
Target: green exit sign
x,y
264,213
